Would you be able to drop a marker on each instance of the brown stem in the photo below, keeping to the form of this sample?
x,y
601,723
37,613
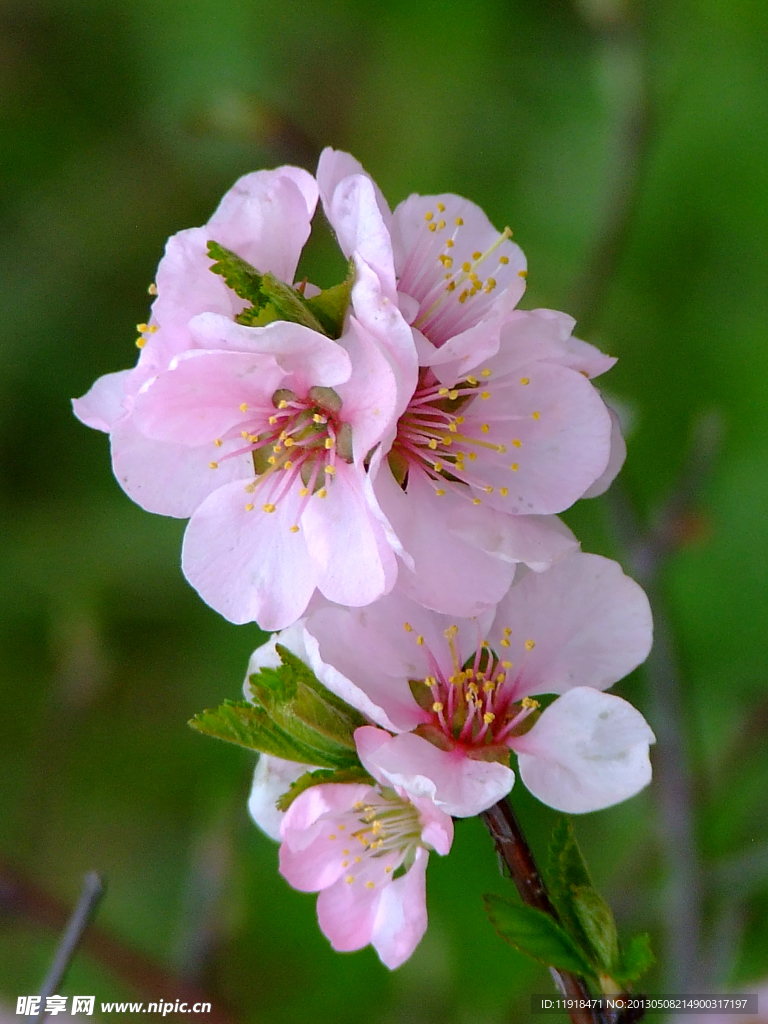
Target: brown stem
x,y
510,842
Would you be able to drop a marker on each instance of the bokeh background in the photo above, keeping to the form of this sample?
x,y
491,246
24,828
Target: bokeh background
x,y
627,146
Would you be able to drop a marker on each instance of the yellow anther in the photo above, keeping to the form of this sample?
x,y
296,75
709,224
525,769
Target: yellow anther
x,y
451,287
330,470
449,243
345,863
349,879
272,460
322,493
428,215
249,507
357,859
253,438
472,456
376,827
485,394
438,466
453,395
331,837
504,260
317,418
488,717
472,381
464,296
514,467
243,407
328,443
466,267
473,277
441,207
486,372
488,489
430,681
440,225
303,492
432,227
476,255
485,427
525,380
535,415
437,706
407,627
505,642
420,640
476,501
388,868
522,273
142,328
490,284
213,465
530,644
451,632
277,448
503,491
341,829
432,443
459,221
269,507
369,885
218,442
489,687
506,664
294,528
443,392
447,441
272,421
452,427
289,442
516,442
507,631
152,289
440,492
141,342
288,464
501,677
282,404
529,702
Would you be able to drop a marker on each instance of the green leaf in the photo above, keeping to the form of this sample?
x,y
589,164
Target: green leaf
x,y
289,304
599,926
301,706
635,959
536,934
330,306
250,726
319,778
241,277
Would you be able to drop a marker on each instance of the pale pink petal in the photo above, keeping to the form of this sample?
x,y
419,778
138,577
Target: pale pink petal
x,y
355,216
537,541
171,479
200,397
401,915
461,353
589,623
335,165
308,356
306,810
589,750
450,575
353,565
378,314
346,914
437,826
102,406
265,218
615,459
555,431
370,395
272,778
247,563
458,785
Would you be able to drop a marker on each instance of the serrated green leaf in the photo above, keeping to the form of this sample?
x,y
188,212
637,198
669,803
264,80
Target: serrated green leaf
x,y
241,277
536,934
255,316
598,925
635,959
250,726
308,779
330,306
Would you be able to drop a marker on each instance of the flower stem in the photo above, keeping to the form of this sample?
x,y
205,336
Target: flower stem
x,y
513,848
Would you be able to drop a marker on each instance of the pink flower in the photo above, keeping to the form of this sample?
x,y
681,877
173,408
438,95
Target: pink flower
x,y
457,693
503,429
259,433
365,849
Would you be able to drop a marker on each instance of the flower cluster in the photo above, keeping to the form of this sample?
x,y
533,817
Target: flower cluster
x,y
375,471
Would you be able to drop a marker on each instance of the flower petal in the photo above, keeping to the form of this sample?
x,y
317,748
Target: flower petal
x,y
102,406
272,778
589,750
458,785
401,915
537,541
589,623
615,459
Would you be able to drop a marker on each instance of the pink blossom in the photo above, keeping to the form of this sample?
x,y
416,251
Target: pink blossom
x,y
365,849
259,433
503,418
457,693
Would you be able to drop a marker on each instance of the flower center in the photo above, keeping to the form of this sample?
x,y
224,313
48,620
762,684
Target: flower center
x,y
300,441
475,705
430,438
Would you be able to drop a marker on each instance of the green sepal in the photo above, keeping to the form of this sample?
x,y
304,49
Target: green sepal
x,y
635,959
330,306
250,726
536,934
298,702
289,304
240,276
321,777
599,927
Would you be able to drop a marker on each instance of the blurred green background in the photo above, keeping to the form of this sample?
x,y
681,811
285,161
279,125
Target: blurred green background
x,y
627,147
